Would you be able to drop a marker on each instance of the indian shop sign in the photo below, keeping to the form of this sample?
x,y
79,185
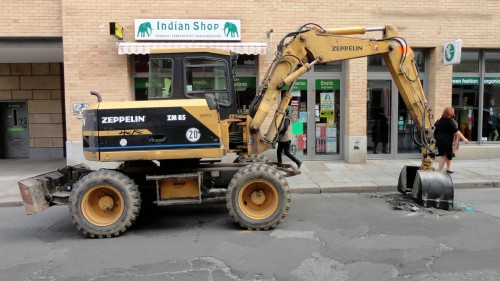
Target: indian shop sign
x,y
474,81
187,29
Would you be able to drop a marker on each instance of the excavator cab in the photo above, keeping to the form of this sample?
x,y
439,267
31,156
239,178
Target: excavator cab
x,y
205,73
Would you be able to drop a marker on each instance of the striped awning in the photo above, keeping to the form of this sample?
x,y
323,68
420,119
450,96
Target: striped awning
x,y
249,48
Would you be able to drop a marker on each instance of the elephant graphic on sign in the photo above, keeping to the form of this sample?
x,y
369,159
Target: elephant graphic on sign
x,y
231,29
144,29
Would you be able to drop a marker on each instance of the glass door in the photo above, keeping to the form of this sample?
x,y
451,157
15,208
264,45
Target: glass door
x,y
406,131
315,114
325,117
379,118
299,118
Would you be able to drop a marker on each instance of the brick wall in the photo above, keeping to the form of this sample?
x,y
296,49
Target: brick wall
x,y
30,18
91,60
92,63
355,91
40,85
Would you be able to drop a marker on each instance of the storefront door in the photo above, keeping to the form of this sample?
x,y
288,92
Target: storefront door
x,y
316,118
379,144
389,126
14,140
326,119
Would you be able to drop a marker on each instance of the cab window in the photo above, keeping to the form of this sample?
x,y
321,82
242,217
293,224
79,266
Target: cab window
x,y
207,76
160,79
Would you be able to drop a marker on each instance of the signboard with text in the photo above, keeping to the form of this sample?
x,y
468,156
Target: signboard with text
x,y
474,81
187,29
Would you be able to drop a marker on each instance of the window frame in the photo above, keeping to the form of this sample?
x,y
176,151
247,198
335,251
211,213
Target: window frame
x,y
189,94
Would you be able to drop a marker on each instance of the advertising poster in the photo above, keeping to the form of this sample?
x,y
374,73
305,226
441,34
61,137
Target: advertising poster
x,y
294,114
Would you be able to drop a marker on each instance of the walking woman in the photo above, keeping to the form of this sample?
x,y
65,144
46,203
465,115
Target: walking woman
x,y
446,129
285,139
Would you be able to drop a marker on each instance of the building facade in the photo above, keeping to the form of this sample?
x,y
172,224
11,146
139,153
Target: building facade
x,y
55,52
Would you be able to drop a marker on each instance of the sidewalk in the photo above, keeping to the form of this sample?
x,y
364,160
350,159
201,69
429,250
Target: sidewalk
x,y
317,176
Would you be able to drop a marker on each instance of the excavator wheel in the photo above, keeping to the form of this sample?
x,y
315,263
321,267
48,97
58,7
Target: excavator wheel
x,y
104,204
258,197
252,158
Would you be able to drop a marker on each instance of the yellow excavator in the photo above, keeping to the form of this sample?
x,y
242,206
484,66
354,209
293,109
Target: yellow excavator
x,y
172,145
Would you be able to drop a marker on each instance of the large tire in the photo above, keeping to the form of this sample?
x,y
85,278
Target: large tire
x,y
252,158
104,204
258,197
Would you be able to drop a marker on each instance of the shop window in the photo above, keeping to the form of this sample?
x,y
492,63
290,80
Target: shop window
x,y
205,76
492,62
141,70
335,66
245,82
245,90
377,63
141,63
491,111
246,64
465,100
465,95
469,62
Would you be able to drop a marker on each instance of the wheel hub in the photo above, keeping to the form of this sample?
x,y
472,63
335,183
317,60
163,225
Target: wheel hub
x,y
102,205
258,197
106,203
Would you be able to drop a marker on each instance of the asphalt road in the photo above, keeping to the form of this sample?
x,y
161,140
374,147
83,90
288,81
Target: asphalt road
x,y
324,237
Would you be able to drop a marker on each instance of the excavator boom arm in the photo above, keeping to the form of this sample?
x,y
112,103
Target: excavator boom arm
x,y
312,45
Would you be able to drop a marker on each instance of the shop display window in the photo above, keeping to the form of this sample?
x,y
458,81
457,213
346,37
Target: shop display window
x,y
245,82
335,66
465,100
468,63
491,113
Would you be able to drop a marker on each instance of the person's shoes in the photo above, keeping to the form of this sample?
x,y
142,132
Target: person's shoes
x,y
449,171
298,165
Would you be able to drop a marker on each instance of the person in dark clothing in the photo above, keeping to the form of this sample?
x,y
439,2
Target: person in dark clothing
x,y
445,130
380,131
285,139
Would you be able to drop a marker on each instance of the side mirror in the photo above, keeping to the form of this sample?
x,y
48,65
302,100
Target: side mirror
x,y
234,59
211,101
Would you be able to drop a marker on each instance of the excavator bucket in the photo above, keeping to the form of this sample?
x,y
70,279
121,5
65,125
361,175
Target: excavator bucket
x,y
36,191
427,187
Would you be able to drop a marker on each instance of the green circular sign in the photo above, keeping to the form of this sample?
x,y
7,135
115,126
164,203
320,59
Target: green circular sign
x,y
449,52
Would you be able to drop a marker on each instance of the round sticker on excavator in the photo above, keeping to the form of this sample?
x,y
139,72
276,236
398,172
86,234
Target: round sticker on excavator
x,y
193,134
